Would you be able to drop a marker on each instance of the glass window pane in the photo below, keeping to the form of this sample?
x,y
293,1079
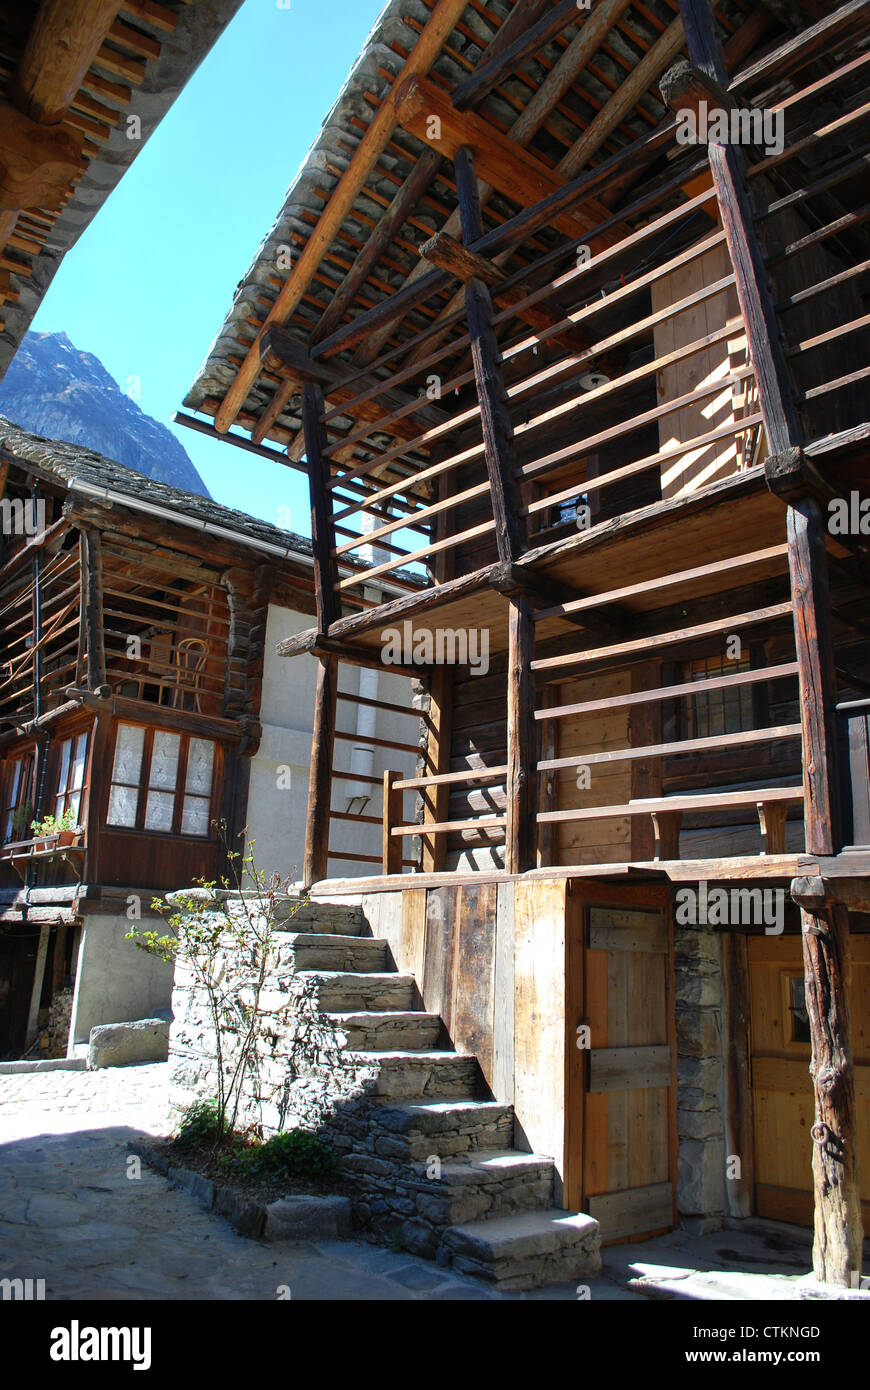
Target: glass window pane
x,y
158,811
65,752
122,806
194,819
128,754
164,760
75,801
78,769
200,761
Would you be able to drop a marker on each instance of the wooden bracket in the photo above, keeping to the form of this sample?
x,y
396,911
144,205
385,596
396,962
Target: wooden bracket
x,y
791,475
813,892
666,828
772,817
685,87
445,252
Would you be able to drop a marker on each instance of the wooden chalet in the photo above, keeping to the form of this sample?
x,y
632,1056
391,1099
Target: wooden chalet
x,y
605,387
132,713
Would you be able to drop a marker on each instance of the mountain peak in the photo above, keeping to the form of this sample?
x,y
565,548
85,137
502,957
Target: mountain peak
x,y
59,391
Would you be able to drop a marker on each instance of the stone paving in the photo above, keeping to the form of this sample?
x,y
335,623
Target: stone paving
x,y
71,1214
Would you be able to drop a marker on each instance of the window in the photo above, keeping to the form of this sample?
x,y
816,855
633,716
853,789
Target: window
x,y
70,785
800,1019
17,810
162,782
711,712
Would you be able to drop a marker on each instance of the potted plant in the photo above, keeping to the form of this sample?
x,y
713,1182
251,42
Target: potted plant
x,y
61,832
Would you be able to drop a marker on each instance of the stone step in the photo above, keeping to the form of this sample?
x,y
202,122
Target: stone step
x,y
339,991
425,1199
388,1030
320,918
447,1128
485,1185
421,1074
327,951
525,1250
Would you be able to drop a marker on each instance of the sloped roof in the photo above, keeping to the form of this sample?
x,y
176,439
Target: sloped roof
x,y
70,462
633,31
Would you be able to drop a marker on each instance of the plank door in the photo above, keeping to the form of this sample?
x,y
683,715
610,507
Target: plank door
x,y
629,1122
781,1088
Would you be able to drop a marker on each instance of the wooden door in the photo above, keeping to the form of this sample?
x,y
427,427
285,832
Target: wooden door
x,y
629,1123
781,1089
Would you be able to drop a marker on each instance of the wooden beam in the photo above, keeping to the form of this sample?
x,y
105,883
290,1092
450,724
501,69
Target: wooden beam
x,y
94,609
391,849
522,755
442,20
64,40
491,393
436,796
443,251
320,778
36,163
624,99
499,161
322,528
406,199
728,167
556,84
826,938
472,89
686,88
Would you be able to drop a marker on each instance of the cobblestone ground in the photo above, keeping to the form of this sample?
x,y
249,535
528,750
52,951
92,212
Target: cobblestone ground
x,y
70,1214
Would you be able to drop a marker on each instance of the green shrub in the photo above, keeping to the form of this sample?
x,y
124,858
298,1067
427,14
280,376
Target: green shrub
x,y
295,1154
199,1124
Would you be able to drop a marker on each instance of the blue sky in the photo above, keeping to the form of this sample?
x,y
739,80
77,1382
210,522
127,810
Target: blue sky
x,y
147,286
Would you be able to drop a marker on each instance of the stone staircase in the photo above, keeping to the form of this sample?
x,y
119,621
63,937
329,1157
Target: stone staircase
x,y
431,1155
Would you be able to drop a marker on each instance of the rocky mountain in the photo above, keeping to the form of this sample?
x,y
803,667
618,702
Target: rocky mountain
x,y
53,389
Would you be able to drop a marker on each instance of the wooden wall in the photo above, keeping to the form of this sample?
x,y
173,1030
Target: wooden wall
x,y
491,960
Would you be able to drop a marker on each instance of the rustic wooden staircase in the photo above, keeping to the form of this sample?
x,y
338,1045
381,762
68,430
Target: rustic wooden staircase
x,y
431,1155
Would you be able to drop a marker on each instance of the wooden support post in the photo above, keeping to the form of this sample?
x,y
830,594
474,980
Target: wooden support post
x,y
322,529
728,168
825,931
392,844
36,989
94,610
436,800
491,394
522,758
320,778
772,818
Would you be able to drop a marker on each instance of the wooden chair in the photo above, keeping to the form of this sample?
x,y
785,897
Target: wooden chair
x,y
191,655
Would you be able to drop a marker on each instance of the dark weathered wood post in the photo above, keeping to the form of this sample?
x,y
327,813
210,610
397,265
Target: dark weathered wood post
x,y
491,395
320,777
521,832
825,932
93,557
322,529
826,945
328,609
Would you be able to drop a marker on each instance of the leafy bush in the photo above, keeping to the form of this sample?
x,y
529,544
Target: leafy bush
x,y
295,1154
199,1124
